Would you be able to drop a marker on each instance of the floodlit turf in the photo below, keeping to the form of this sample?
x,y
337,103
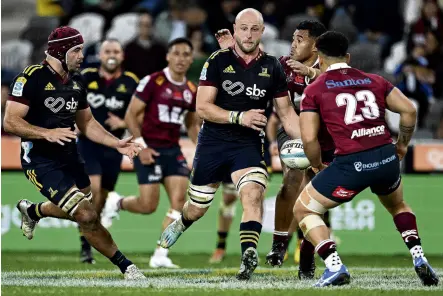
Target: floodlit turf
x,y
61,274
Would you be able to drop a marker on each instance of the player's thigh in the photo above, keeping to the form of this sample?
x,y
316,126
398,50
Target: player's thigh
x,y
393,199
96,181
176,187
55,183
111,166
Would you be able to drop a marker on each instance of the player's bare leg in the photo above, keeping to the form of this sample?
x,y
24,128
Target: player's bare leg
x,y
86,250
251,185
147,203
200,198
284,204
226,214
176,189
81,210
308,210
405,221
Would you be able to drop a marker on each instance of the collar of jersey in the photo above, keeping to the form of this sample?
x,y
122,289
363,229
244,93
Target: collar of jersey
x,y
337,66
169,77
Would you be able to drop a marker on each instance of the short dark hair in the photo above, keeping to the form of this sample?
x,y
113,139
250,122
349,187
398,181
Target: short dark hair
x,y
180,41
314,28
333,44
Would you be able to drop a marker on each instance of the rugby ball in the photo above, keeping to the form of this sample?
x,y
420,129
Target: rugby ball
x,y
293,156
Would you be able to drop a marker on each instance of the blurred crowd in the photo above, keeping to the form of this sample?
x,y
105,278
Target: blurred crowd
x,y
401,40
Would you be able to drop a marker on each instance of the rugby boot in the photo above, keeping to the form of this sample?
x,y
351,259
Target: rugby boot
x,y
28,225
249,262
171,234
337,278
110,210
217,256
306,269
133,273
425,272
276,256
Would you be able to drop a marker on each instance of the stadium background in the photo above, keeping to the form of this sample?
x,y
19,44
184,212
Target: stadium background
x,y
400,40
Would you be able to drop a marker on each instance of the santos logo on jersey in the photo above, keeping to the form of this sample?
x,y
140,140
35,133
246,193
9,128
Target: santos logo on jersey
x,y
98,100
235,88
55,105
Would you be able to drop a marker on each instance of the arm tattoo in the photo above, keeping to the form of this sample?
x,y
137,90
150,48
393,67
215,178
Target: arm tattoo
x,y
405,134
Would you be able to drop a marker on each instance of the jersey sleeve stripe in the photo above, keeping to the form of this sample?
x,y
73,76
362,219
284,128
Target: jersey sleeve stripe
x,y
207,83
29,70
132,75
89,70
281,94
21,100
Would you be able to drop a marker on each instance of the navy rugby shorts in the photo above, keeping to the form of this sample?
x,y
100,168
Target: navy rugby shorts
x,y
348,175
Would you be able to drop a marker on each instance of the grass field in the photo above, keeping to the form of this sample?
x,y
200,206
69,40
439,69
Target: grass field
x,y
57,271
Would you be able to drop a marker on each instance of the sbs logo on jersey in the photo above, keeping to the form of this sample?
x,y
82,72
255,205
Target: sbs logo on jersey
x,y
235,88
55,105
98,100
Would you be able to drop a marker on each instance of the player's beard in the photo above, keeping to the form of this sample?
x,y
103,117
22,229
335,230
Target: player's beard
x,y
246,50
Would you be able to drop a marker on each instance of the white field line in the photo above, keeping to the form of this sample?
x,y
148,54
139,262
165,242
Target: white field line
x,y
365,278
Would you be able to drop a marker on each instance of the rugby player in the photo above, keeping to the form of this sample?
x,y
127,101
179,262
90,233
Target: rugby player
x,y
45,102
301,68
109,92
352,105
235,87
166,100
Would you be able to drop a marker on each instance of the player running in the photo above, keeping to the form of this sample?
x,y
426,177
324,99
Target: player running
x,y
165,100
109,92
352,105
301,68
236,85
45,102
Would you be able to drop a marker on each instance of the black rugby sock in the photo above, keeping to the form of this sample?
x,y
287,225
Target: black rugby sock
x,y
221,242
249,234
121,261
35,211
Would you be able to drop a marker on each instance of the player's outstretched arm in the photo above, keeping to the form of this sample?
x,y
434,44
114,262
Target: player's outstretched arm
x,y
309,126
207,110
288,117
397,102
15,123
96,132
192,123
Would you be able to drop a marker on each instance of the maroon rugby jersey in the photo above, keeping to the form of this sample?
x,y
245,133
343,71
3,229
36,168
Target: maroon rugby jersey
x,y
296,86
167,103
352,104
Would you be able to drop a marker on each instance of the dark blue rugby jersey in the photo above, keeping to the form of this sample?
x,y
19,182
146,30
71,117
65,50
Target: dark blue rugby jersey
x,y
109,96
53,103
241,87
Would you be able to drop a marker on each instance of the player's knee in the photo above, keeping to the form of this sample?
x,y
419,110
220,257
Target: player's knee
x,y
310,222
227,210
86,216
201,196
292,179
147,207
178,201
72,200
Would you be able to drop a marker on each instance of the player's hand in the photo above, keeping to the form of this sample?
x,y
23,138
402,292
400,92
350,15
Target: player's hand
x,y
401,150
254,119
115,122
60,135
298,67
273,149
318,169
147,156
127,147
224,38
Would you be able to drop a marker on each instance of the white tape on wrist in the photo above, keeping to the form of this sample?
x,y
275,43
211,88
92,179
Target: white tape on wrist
x,y
140,141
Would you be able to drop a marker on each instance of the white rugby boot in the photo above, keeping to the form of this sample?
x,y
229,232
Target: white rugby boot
x,y
160,259
28,225
133,273
110,211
